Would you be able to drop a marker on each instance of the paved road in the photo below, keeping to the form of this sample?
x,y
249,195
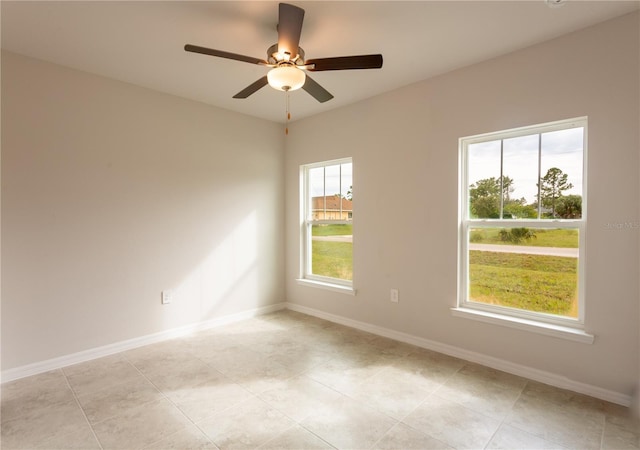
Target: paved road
x,y
339,238
551,251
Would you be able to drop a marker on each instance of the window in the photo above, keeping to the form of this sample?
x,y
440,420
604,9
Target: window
x,y
327,236
522,227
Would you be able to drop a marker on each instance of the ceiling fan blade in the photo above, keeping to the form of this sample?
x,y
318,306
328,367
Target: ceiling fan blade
x,y
289,28
253,87
221,54
346,63
316,91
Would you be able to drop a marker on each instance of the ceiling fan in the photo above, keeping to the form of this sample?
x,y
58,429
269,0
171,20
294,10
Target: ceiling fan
x,y
287,60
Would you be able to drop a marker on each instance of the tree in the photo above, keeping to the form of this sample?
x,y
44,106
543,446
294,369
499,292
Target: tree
x,y
569,207
519,209
349,195
484,197
553,184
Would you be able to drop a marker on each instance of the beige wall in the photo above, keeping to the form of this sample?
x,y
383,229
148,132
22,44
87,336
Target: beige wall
x,y
112,193
405,150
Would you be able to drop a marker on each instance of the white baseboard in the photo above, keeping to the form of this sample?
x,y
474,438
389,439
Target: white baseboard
x,y
479,358
635,402
489,361
106,350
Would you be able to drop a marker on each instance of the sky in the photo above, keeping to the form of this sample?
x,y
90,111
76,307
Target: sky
x,y
335,179
561,149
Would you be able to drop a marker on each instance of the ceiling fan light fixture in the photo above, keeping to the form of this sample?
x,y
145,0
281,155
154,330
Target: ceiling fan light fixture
x,y
286,78
555,3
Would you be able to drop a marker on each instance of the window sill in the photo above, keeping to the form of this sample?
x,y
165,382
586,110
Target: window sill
x,y
547,329
328,286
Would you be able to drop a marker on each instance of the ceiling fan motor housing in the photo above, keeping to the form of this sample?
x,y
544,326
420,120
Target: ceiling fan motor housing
x,y
275,57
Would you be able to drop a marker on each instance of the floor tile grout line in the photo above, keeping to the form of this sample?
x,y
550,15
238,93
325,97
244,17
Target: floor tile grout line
x,y
371,407
81,394
506,416
604,425
396,420
176,407
395,425
412,411
278,435
418,406
138,406
436,392
360,403
84,414
319,437
294,425
546,438
254,395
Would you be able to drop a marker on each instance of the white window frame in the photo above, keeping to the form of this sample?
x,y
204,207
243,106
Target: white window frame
x,y
306,277
518,318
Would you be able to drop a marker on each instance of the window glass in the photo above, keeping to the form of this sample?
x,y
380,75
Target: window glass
x,y
561,174
514,260
520,177
531,269
484,177
328,229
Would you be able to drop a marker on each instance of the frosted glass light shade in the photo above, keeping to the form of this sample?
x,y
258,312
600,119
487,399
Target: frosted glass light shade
x,y
286,78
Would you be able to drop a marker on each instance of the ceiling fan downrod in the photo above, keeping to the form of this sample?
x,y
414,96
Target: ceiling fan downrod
x,y
287,111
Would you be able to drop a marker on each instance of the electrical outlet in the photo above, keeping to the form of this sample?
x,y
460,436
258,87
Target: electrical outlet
x,y
395,296
167,297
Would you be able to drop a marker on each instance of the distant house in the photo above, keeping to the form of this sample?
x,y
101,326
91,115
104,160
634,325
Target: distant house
x,y
334,207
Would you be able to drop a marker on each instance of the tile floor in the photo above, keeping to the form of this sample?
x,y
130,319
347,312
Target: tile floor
x,y
291,381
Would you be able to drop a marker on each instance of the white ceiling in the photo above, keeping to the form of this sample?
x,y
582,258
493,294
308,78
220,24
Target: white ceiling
x,y
142,42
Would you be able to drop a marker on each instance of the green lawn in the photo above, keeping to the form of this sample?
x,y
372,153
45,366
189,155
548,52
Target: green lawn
x,y
544,238
539,283
332,259
533,282
331,230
